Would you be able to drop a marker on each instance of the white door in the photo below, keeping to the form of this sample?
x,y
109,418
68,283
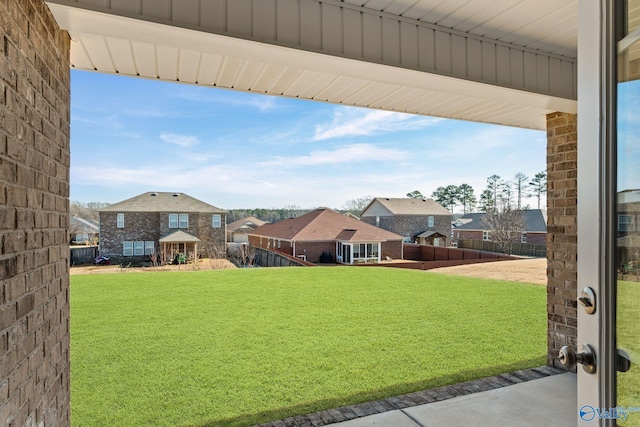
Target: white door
x,y
608,344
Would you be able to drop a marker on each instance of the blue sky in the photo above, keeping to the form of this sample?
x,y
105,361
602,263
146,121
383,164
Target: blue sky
x,y
241,150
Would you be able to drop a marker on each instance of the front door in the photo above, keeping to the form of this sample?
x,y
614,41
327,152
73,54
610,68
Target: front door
x,y
609,213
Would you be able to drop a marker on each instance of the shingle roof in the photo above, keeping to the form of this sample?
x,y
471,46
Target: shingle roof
x,y
426,234
162,202
409,206
324,224
85,224
534,219
179,237
245,223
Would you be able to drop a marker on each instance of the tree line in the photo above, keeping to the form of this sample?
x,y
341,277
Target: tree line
x,y
499,194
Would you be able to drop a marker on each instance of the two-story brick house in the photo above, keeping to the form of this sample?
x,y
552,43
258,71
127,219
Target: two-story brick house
x,y
472,227
423,221
162,223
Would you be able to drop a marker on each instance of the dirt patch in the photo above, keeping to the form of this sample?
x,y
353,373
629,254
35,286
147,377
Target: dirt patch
x,y
520,270
203,264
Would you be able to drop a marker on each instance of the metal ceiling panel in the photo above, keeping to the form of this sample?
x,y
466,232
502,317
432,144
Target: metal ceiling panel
x,y
209,67
122,55
188,65
153,46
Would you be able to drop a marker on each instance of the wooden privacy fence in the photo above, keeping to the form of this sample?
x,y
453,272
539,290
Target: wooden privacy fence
x,y
523,249
83,254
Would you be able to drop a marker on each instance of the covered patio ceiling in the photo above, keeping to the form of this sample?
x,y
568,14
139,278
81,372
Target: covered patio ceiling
x,y
507,62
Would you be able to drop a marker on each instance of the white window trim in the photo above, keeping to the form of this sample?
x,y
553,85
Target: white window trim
x,y
629,226
120,220
149,247
138,248
175,222
216,220
127,248
523,237
183,220
431,221
486,236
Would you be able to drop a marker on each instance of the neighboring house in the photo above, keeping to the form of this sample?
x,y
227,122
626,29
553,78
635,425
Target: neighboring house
x,y
323,232
167,224
423,221
83,231
471,227
628,231
237,230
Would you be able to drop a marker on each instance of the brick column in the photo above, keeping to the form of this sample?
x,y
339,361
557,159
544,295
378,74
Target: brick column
x,y
562,233
34,216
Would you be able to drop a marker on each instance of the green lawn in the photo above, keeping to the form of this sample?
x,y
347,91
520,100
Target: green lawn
x,y
238,347
628,331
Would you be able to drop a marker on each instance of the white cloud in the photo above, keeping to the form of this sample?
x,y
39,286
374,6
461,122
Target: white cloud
x,y
181,140
345,154
358,122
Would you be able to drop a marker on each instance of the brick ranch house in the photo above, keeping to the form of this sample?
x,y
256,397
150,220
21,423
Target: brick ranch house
x,y
237,230
163,223
423,221
471,227
323,231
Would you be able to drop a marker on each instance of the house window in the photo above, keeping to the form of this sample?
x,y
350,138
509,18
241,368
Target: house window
x,y
149,248
523,238
138,248
120,220
127,248
377,221
372,250
430,222
625,223
178,220
486,235
216,221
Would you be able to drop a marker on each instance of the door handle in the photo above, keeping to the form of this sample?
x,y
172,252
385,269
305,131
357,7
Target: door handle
x,y
586,357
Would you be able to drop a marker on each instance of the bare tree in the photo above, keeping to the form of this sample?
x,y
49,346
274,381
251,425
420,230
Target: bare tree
x,y
244,256
505,226
520,184
357,205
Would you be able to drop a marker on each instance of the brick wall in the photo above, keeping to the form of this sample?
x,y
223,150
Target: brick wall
x,y
408,226
151,226
34,216
562,233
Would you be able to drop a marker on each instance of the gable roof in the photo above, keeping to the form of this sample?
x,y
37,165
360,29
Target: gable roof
x,y
324,224
248,223
153,201
179,237
408,206
85,224
535,221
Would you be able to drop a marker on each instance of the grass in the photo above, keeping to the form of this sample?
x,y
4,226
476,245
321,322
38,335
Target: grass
x,y
628,330
240,347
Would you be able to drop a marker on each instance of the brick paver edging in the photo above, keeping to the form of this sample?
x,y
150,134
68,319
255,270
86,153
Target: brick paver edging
x,y
332,416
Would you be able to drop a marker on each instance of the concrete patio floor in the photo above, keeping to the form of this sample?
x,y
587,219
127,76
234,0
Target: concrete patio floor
x,y
549,401
542,396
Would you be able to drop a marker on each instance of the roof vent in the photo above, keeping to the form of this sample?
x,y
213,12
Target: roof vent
x,y
154,194
175,194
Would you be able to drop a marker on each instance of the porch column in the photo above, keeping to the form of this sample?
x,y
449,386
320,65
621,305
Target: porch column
x,y
34,216
562,233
